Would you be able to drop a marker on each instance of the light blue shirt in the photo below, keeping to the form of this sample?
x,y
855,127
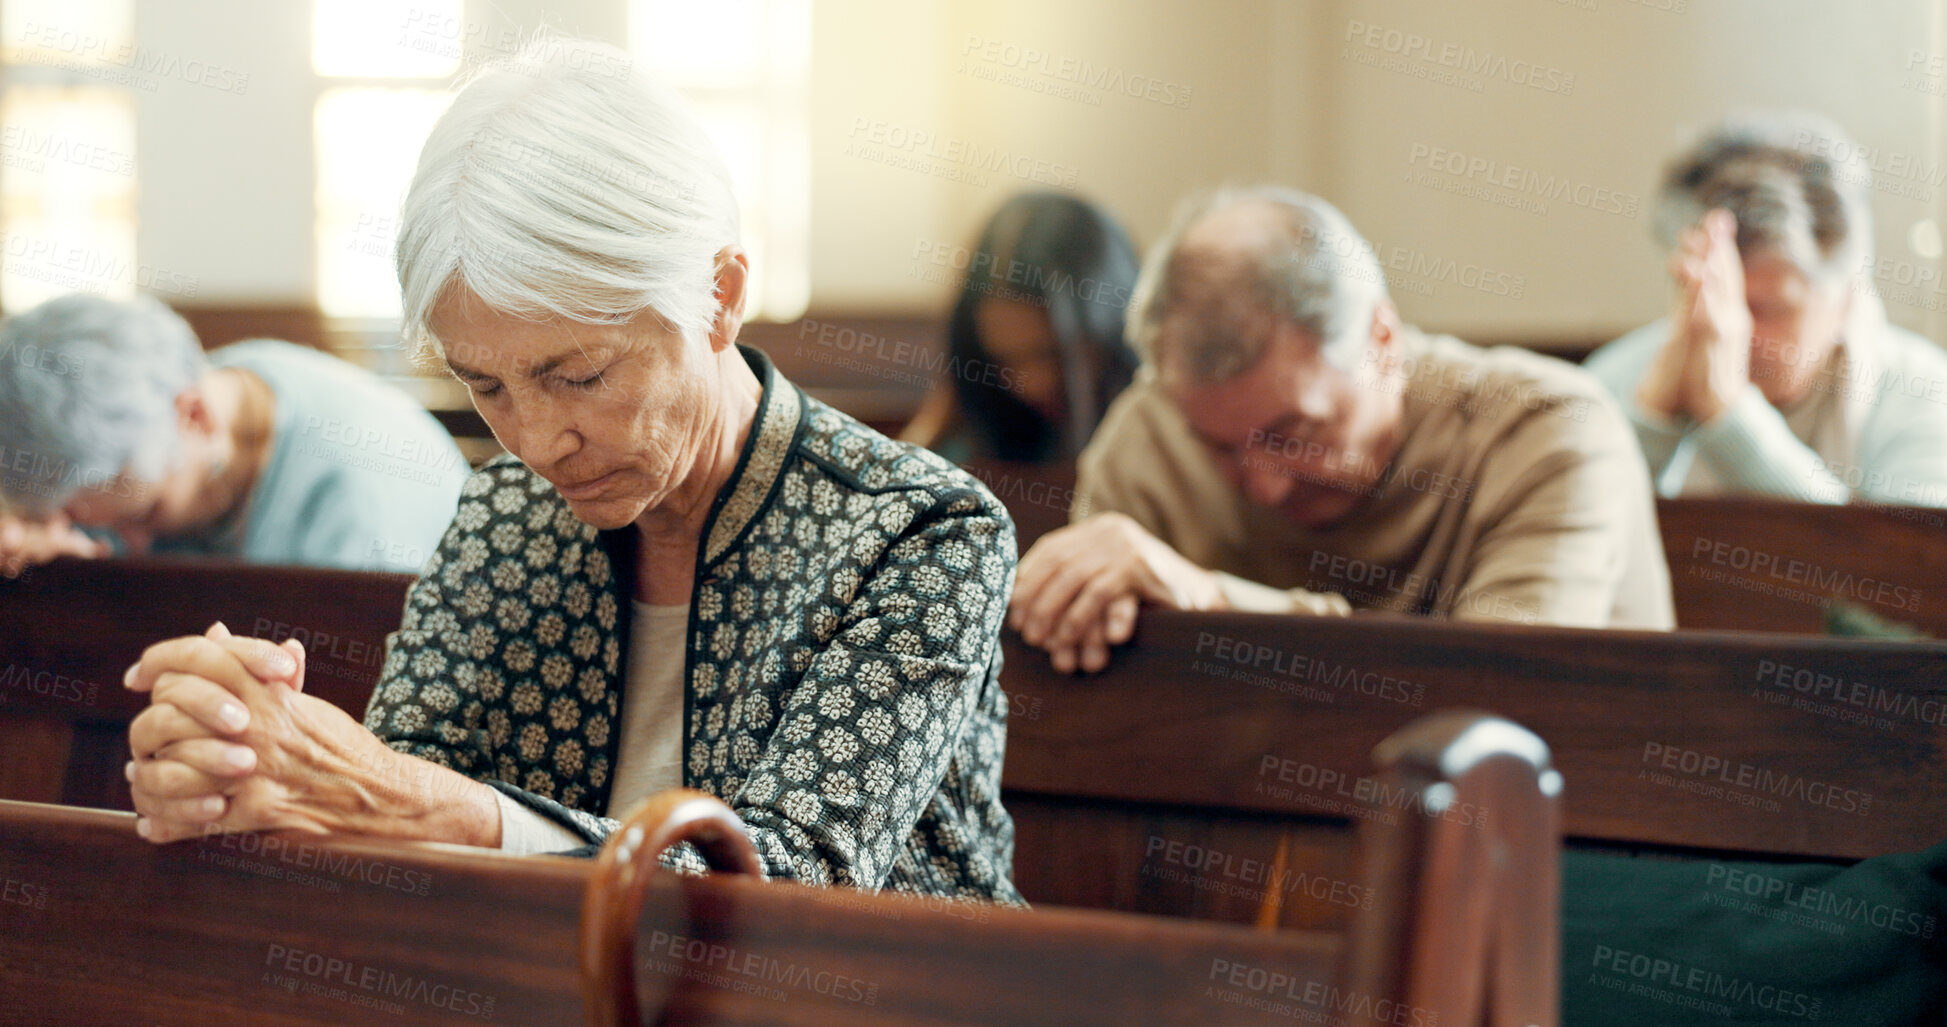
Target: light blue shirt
x,y
1876,432
359,476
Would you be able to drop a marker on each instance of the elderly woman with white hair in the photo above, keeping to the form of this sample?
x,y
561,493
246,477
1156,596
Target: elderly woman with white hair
x,y
1776,373
685,572
113,418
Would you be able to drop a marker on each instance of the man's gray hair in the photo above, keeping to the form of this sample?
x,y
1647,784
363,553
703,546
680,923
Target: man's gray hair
x,y
88,390
1800,189
1209,311
561,183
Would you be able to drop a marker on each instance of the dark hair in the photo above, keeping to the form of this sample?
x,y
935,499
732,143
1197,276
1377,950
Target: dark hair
x,y
1070,258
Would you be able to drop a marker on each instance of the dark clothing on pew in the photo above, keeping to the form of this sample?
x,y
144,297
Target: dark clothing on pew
x,y
843,655
1745,942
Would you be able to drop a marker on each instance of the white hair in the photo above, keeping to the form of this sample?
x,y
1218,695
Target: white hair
x,y
1207,311
88,389
1799,187
561,183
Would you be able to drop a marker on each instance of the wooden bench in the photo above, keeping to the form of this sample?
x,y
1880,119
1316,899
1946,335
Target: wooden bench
x,y
1174,776
1217,753
1201,709
98,926
1760,565
69,631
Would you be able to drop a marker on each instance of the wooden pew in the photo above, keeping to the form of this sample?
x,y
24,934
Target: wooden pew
x,y
1198,711
1221,755
284,929
97,927
1174,777
275,929
1463,931
69,631
1760,565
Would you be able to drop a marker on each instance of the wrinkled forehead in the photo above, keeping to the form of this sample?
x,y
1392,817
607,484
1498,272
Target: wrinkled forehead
x,y
476,339
1773,280
1290,382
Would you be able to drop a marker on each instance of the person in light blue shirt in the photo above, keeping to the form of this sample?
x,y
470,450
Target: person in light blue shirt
x,y
1776,373
118,434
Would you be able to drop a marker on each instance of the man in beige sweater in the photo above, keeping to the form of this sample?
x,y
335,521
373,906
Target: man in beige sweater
x,y
1291,447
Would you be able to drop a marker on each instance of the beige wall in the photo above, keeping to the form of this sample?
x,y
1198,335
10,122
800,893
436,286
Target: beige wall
x,y
1276,90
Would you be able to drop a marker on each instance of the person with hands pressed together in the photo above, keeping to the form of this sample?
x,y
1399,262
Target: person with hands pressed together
x,y
1707,363
685,571
230,742
1776,373
1291,447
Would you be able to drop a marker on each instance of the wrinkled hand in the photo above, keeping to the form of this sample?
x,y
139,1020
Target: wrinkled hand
x,y
1706,364
27,543
1077,590
230,742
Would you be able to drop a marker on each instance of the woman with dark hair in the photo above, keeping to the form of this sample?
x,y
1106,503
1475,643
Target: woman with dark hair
x,y
1035,346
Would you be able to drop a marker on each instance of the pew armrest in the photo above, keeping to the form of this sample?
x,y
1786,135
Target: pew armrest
x,y
612,906
1466,877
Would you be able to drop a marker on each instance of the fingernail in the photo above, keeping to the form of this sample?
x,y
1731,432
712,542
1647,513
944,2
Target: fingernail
x,y
128,676
142,826
233,716
210,806
238,757
129,770
220,629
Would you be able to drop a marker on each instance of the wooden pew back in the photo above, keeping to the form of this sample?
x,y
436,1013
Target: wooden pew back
x,y
1759,565
1215,751
276,929
1464,931
70,629
98,926
1217,747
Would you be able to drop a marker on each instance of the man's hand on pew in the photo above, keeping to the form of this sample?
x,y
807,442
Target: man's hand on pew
x,y
1077,590
229,743
28,543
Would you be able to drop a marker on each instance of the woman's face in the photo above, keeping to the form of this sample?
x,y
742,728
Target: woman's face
x,y
1018,336
1795,323
614,416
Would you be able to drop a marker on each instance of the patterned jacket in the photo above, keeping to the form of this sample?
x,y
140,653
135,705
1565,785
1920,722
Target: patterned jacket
x,y
843,658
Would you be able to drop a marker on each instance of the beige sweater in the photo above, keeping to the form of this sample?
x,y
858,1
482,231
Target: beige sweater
x,y
1518,494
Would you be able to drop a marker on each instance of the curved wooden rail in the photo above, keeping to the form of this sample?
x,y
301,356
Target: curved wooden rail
x,y
612,906
1466,883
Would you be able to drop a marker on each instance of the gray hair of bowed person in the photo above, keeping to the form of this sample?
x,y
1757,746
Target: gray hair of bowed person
x,y
88,389
1798,186
562,183
1209,314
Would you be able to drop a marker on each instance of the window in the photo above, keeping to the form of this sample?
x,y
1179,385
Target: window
x,y
367,142
67,152
368,125
743,64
